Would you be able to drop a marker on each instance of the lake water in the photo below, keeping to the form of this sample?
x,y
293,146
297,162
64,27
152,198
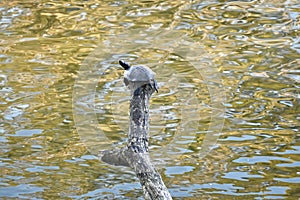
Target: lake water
x,y
224,124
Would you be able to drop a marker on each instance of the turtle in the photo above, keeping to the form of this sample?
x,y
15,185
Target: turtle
x,y
138,76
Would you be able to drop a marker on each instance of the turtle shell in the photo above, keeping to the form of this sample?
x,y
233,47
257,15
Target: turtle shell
x,y
139,74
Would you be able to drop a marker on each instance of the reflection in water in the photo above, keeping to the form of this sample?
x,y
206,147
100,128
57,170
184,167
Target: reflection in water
x,y
252,46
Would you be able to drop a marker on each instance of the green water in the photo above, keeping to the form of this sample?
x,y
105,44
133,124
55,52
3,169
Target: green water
x,y
225,123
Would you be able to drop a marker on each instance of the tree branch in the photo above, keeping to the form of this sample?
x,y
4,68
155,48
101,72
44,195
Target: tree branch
x,y
135,154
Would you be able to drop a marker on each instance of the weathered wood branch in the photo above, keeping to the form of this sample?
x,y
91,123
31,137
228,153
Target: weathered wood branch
x,y
136,153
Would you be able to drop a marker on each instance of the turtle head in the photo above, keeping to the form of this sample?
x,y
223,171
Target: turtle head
x,y
124,64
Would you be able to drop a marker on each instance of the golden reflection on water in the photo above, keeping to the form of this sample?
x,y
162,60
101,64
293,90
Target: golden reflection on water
x,y
253,45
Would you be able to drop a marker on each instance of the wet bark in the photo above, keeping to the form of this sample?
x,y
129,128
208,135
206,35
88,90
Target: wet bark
x,y
136,153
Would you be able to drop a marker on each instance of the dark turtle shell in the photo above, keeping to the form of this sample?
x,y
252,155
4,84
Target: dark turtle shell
x,y
137,73
142,74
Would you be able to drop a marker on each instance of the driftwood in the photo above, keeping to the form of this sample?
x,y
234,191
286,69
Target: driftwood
x,y
136,153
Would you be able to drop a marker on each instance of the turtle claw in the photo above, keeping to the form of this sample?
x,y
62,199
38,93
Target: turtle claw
x,y
154,86
156,89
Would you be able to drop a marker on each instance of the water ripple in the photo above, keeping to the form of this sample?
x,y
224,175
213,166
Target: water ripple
x,y
254,45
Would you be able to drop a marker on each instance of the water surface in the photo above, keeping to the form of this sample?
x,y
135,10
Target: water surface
x,y
227,70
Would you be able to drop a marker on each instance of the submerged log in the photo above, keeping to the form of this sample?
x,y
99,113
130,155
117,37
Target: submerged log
x,y
136,153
